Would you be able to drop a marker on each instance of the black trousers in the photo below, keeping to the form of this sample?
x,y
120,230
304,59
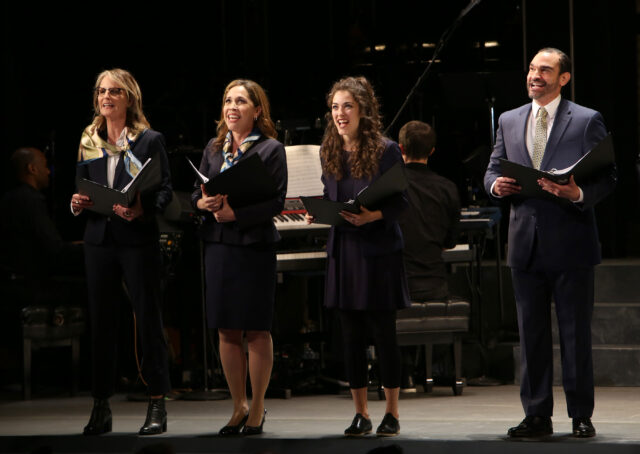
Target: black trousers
x,y
107,265
572,292
356,326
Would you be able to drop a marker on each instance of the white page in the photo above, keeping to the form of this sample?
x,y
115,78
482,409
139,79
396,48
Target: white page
x,y
303,166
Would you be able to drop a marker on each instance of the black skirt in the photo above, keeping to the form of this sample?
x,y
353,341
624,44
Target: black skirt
x,y
240,286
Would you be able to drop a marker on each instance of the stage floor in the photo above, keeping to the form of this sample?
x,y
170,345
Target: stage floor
x,y
437,422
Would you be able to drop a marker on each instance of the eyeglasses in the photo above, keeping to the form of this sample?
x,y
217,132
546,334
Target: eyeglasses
x,y
114,91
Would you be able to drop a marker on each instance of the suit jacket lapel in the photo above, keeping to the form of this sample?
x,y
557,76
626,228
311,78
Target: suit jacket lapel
x,y
522,127
119,171
562,120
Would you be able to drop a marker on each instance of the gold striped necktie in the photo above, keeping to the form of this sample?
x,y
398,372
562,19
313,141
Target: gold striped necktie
x,y
540,137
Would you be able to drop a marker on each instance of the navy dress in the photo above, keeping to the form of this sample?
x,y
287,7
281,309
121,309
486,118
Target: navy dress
x,y
240,256
365,269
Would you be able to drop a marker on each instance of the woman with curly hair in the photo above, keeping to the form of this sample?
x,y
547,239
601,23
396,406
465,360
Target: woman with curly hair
x,y
365,274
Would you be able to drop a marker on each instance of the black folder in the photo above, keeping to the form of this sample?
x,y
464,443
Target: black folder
x,y
246,183
390,183
103,197
599,158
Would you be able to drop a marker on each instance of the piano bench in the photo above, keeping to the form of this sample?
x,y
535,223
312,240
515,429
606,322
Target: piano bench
x,y
45,327
435,322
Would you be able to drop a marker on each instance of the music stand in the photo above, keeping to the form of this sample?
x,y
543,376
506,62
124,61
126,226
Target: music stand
x,y
206,393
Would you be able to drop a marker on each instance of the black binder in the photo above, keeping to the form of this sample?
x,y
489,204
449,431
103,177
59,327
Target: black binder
x,y
390,183
600,157
246,183
103,197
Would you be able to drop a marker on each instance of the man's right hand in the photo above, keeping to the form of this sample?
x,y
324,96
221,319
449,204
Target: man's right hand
x,y
505,186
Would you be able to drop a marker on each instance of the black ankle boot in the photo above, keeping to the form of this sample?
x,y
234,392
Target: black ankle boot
x,y
100,420
156,422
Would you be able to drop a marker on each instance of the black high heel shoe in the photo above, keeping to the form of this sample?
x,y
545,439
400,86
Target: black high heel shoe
x,y
100,420
233,430
254,430
156,422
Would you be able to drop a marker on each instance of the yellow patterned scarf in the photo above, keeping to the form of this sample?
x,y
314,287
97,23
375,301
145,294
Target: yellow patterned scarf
x,y
93,147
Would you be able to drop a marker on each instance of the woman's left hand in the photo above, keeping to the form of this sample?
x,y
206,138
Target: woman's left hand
x,y
364,217
129,213
226,213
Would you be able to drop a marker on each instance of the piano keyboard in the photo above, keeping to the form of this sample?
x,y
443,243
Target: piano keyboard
x,y
295,221
288,261
292,218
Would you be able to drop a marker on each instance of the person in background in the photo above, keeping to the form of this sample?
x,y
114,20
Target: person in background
x,y
429,226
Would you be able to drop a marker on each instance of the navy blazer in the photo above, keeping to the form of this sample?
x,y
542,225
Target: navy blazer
x,y
254,223
564,234
378,237
145,228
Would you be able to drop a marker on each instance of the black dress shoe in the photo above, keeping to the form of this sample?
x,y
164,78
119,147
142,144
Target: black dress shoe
x,y
254,430
233,430
359,426
582,428
389,427
156,422
531,427
100,420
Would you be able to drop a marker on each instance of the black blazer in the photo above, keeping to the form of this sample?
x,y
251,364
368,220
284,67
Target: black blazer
x,y
254,223
145,228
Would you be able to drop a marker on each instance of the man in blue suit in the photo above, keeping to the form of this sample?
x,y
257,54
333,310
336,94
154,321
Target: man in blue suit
x,y
553,243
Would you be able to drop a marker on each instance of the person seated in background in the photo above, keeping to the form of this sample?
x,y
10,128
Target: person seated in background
x,y
33,250
429,225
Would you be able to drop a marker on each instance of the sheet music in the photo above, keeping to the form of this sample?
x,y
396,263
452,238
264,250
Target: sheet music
x,y
303,164
126,188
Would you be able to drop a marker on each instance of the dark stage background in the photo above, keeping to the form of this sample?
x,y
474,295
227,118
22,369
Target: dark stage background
x,y
184,54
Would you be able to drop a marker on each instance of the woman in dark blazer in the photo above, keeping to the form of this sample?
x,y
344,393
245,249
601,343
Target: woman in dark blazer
x,y
123,245
365,278
240,255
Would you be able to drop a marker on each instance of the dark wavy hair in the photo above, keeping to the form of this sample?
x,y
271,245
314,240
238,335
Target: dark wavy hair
x,y
259,99
364,161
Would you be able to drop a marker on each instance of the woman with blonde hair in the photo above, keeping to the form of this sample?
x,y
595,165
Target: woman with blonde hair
x,y
365,279
240,254
123,246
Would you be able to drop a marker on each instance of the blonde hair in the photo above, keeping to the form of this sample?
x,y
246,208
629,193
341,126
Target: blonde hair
x,y
136,121
259,99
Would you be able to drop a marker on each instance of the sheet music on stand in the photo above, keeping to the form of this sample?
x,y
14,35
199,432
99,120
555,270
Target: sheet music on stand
x,y
305,171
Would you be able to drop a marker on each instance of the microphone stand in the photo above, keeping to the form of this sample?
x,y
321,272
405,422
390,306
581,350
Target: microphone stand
x,y
206,393
444,39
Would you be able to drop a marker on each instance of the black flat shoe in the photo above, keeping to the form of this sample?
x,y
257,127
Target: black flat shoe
x,y
359,426
582,428
254,430
233,430
532,427
389,427
156,422
100,420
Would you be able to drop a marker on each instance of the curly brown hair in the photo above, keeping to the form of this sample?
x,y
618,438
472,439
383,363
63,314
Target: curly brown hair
x,y
259,99
364,161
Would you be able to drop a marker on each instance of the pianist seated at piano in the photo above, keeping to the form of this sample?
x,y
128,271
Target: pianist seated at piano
x,y
240,253
428,227
365,279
